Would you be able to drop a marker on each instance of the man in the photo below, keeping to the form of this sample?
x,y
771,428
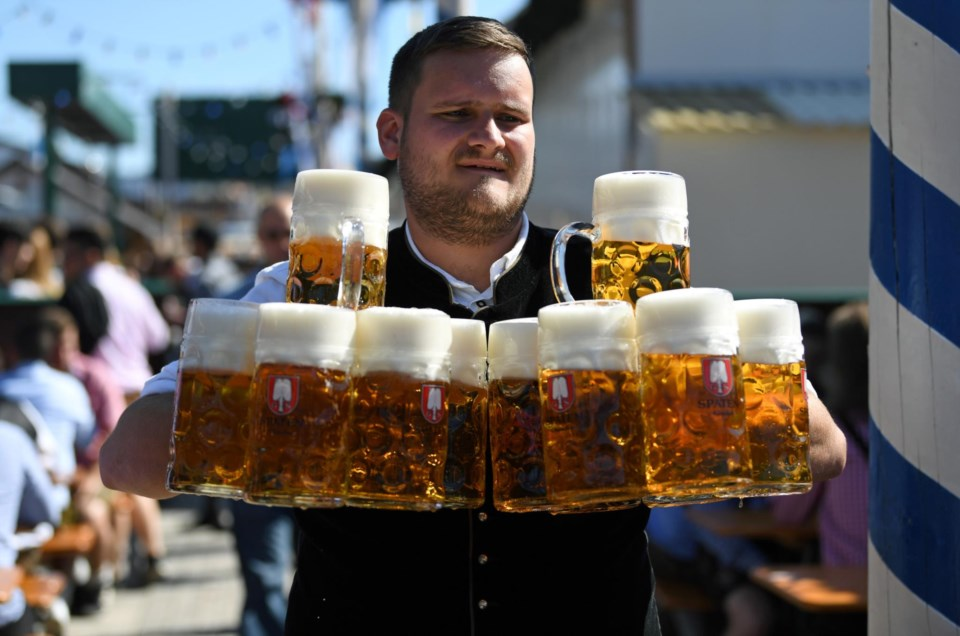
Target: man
x,y
273,235
460,124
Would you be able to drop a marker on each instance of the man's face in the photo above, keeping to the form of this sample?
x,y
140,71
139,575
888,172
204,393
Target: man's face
x,y
467,145
274,235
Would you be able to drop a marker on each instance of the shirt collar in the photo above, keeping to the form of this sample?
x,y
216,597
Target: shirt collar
x,y
466,294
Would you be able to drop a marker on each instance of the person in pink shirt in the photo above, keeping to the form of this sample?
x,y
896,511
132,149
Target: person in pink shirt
x,y
840,505
136,328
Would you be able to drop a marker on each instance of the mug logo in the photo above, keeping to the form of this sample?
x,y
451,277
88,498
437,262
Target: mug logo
x,y
283,393
432,402
561,392
717,375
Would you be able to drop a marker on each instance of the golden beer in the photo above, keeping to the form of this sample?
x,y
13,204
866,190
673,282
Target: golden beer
x,y
639,232
338,238
300,405
315,268
590,405
464,475
396,443
628,270
516,445
696,446
774,382
210,433
396,439
298,419
592,440
778,422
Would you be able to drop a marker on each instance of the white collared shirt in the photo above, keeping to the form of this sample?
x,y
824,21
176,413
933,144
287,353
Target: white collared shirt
x,y
466,294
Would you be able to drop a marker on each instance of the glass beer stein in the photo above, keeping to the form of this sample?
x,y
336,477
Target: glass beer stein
x,y
695,440
210,425
300,405
464,474
338,238
639,234
396,440
590,405
774,385
516,443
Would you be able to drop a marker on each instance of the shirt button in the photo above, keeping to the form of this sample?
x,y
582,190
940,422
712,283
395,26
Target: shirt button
x,y
482,516
482,604
482,559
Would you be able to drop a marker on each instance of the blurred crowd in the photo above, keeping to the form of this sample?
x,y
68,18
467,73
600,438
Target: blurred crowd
x,y
82,327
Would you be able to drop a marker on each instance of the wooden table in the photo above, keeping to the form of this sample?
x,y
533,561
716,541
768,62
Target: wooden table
x,y
9,581
816,588
751,523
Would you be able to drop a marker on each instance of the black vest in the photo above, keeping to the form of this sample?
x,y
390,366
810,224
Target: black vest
x,y
474,572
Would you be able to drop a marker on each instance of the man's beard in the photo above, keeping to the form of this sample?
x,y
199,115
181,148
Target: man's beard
x,y
452,216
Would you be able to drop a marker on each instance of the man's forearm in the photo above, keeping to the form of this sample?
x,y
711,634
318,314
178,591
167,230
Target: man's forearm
x,y
828,446
134,458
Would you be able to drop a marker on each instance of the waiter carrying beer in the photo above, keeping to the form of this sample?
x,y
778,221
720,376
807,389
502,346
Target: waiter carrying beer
x,y
460,125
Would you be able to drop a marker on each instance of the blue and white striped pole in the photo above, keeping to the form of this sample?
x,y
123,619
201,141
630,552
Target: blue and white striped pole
x,y
915,318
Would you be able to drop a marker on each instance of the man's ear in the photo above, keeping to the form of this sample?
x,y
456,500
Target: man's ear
x,y
389,130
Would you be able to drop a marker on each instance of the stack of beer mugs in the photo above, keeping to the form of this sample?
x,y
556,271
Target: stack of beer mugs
x,y
653,393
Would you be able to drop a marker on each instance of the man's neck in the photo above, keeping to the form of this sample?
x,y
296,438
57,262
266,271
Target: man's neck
x,y
469,263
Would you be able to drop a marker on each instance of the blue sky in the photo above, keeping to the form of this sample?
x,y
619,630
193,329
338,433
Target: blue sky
x,y
197,48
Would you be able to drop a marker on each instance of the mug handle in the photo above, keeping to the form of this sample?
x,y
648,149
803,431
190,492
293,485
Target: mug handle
x,y
351,263
558,275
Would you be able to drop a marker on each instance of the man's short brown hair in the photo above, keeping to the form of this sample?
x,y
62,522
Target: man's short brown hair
x,y
462,33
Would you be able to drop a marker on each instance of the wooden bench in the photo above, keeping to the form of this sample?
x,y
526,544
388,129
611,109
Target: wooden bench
x,y
675,596
70,540
816,588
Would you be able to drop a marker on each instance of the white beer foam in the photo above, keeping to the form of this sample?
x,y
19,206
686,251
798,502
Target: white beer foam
x,y
307,335
323,198
414,342
513,349
698,320
641,205
468,351
588,334
219,334
769,330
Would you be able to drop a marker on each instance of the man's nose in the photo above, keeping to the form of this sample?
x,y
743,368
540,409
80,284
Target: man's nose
x,y
486,133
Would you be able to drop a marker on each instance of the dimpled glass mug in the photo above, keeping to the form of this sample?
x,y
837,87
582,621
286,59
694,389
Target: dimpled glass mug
x,y
210,424
639,234
338,239
774,384
300,405
590,405
696,447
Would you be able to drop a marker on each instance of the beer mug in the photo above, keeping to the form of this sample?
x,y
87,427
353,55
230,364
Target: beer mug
x,y
338,238
210,425
464,474
516,444
639,235
396,441
590,405
774,385
300,405
695,440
